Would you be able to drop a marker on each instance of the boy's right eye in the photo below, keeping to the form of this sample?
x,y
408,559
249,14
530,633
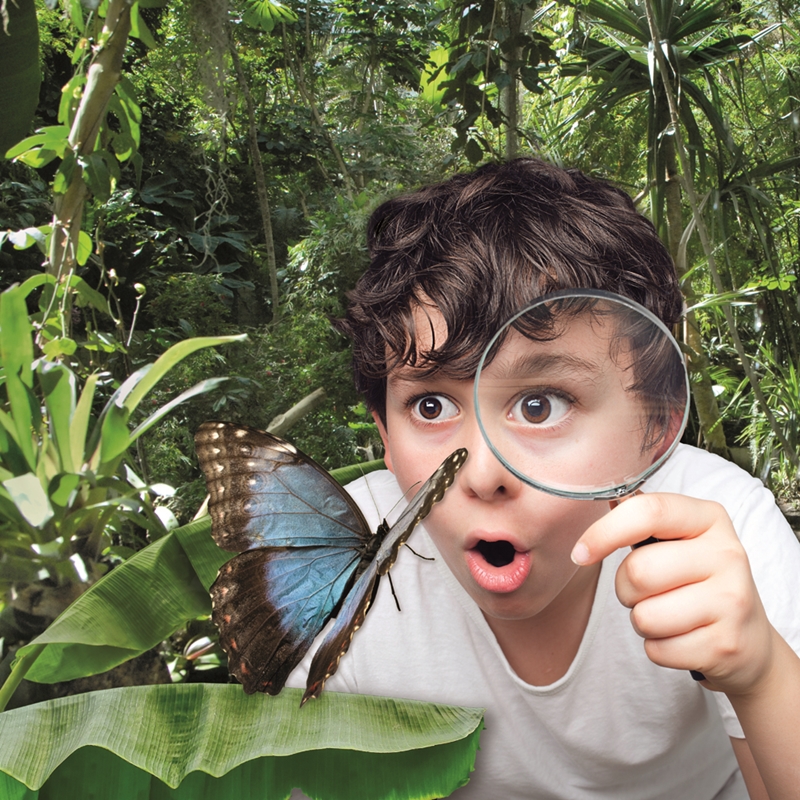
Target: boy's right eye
x,y
434,408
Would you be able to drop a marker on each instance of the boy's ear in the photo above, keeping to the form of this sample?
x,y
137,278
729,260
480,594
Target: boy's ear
x,y
387,456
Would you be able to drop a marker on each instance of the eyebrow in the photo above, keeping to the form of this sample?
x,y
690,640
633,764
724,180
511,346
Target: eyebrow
x,y
533,363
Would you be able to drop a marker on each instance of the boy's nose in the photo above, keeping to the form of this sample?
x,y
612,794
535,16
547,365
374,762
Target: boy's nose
x,y
483,475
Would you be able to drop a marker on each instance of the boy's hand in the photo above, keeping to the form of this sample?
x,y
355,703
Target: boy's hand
x,y
691,595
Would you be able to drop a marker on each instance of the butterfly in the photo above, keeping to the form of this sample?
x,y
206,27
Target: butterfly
x,y
306,553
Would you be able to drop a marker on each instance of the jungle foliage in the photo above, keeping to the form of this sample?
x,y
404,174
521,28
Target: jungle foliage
x,y
190,170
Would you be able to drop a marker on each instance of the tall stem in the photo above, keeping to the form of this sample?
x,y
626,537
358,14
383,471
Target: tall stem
x,y
17,674
101,80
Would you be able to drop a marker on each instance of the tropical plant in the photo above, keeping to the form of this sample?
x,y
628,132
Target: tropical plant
x,y
71,502
491,49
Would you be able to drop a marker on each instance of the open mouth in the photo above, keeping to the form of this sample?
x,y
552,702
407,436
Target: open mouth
x,y
498,554
498,566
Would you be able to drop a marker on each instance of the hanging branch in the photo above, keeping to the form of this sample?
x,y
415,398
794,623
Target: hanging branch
x,y
702,232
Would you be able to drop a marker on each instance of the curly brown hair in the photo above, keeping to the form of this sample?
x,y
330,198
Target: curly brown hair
x,y
481,245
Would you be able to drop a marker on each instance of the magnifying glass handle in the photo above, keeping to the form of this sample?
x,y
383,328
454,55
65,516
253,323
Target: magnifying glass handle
x,y
697,675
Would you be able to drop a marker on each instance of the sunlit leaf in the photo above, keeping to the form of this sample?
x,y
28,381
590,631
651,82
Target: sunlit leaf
x,y
134,742
266,14
30,499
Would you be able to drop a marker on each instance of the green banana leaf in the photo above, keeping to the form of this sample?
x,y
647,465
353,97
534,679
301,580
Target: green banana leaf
x,y
137,605
132,609
197,741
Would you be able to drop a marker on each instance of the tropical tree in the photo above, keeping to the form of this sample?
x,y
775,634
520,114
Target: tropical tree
x,y
619,57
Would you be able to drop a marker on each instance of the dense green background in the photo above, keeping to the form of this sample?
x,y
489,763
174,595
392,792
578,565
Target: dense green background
x,y
220,177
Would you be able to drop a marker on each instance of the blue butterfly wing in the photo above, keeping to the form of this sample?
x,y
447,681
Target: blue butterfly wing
x,y
303,538
269,611
354,609
265,493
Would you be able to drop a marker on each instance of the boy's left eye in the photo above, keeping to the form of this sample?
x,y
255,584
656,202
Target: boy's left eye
x,y
434,407
541,408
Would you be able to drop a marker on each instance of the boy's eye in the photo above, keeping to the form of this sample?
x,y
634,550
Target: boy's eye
x,y
540,408
435,407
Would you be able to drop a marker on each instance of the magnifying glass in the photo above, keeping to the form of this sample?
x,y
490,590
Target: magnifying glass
x,y
583,394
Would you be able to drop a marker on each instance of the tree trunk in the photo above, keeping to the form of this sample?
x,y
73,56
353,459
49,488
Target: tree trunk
x,y
101,80
510,95
702,389
261,182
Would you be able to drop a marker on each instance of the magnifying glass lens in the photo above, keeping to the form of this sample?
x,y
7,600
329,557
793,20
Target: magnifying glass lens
x,y
582,394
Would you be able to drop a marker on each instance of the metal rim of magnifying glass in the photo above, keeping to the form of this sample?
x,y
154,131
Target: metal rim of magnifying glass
x,y
609,492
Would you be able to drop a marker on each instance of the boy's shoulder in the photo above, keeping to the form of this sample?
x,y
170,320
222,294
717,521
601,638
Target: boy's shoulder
x,y
698,473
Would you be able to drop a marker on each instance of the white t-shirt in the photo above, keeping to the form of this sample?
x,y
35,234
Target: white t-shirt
x,y
615,725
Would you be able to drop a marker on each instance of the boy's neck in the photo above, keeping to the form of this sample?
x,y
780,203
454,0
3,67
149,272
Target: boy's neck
x,y
540,649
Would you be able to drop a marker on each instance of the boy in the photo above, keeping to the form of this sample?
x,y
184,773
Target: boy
x,y
574,707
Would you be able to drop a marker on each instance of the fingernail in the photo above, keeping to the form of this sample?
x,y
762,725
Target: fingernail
x,y
580,554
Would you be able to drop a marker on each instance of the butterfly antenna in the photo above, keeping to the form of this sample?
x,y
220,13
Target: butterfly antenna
x,y
418,555
394,594
411,490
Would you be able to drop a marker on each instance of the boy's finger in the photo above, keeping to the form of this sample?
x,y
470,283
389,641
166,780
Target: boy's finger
x,y
654,570
660,515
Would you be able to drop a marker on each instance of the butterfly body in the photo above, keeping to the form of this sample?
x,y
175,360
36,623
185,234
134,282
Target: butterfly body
x,y
305,553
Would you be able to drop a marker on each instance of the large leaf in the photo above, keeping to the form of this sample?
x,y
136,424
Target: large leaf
x,y
16,355
19,66
126,612
130,742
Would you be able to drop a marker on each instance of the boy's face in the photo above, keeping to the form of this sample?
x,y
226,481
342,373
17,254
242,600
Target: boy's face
x,y
507,543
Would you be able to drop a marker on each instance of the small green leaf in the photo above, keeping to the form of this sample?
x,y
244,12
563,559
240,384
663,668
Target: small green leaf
x,y
473,151
70,97
80,422
115,437
59,386
96,175
76,14
30,499
23,239
38,157
62,487
63,346
84,248
16,356
86,295
139,29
